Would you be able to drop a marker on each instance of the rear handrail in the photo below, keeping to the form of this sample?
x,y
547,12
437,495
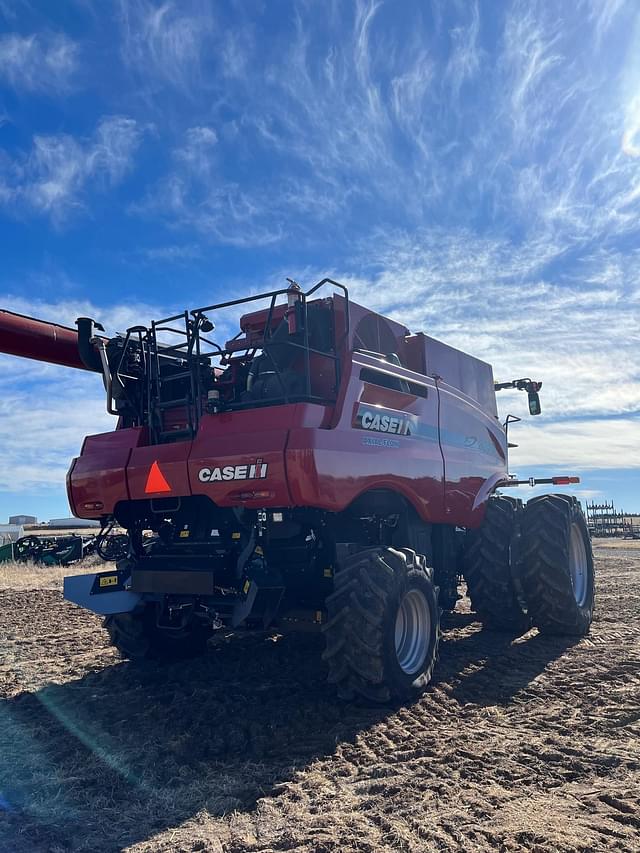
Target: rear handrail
x,y
189,353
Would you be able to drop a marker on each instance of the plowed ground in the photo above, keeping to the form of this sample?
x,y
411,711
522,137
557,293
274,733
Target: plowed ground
x,y
531,744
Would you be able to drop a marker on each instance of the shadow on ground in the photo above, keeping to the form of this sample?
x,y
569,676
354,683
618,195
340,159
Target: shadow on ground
x,y
128,751
487,667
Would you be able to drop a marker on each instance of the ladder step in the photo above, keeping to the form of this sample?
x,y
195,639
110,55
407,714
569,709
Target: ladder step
x,y
176,433
169,377
173,404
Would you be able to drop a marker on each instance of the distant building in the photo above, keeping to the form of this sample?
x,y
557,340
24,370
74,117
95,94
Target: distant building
x,y
75,523
23,519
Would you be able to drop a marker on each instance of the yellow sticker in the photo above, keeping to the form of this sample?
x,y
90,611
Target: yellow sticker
x,y
235,535
184,534
328,573
246,586
111,580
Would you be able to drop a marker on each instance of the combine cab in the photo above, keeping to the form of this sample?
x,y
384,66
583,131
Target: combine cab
x,y
321,469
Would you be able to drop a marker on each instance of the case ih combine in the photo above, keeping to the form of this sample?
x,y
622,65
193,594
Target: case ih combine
x,y
324,469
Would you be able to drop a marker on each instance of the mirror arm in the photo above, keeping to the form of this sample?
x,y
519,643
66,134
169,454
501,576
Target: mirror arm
x,y
527,385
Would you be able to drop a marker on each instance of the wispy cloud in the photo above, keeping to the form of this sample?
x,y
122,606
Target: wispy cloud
x,y
631,135
464,58
31,464
603,13
531,51
52,177
40,62
512,125
166,41
195,195
167,253
585,445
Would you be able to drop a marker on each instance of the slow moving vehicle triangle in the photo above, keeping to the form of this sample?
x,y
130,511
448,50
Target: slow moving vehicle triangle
x,y
156,481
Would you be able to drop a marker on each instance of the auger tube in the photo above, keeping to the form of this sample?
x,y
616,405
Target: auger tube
x,y
29,337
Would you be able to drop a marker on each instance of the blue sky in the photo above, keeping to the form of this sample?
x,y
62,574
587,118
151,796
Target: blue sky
x,y
472,169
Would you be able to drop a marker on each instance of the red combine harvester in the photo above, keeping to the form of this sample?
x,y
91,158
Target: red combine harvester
x,y
324,469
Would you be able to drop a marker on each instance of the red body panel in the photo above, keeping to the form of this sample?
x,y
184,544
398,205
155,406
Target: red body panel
x,y
475,454
98,475
331,468
249,440
171,459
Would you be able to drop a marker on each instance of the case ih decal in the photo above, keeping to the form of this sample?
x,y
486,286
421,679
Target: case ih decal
x,y
256,471
379,420
374,419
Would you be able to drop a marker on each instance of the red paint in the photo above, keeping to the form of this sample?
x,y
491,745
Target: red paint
x,y
172,461
99,473
37,339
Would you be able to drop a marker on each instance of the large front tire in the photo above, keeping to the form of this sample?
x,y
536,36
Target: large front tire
x,y
557,572
137,636
383,629
488,567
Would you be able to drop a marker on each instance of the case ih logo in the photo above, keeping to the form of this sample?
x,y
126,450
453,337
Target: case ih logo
x,y
257,471
378,420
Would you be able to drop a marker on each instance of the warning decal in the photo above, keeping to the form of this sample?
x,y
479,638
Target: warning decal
x,y
156,481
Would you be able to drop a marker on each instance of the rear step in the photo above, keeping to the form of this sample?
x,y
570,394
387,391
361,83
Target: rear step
x,y
173,404
177,433
170,377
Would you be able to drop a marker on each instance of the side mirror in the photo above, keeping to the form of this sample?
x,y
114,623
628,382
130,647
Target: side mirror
x,y
534,403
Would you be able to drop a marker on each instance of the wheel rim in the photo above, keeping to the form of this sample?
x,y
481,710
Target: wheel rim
x,y
578,566
413,632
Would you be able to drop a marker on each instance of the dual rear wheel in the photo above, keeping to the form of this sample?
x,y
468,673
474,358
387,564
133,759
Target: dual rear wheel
x,y
532,565
556,566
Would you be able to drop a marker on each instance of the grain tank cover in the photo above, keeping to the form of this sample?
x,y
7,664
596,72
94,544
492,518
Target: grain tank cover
x,y
470,375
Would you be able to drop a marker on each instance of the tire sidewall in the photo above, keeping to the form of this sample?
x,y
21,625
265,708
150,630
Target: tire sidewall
x,y
584,612
401,683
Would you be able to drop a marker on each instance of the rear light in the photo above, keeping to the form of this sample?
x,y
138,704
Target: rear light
x,y
93,505
564,481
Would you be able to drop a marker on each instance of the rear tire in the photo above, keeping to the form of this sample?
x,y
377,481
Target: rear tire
x,y
487,567
557,572
137,637
383,630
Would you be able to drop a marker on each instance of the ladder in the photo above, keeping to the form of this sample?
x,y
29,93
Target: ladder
x,y
169,364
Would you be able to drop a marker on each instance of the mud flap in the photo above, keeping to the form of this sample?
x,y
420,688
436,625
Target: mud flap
x,y
260,603
263,590
102,593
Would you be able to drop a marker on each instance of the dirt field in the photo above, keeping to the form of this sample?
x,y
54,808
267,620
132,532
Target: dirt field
x,y
525,745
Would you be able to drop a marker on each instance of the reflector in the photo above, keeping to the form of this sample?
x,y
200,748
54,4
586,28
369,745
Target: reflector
x,y
156,481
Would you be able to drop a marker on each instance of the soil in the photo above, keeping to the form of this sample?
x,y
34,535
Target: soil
x,y
526,744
